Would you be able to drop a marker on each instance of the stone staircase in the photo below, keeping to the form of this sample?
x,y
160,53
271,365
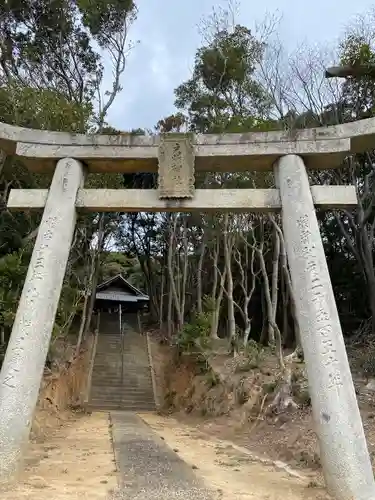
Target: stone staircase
x,y
121,377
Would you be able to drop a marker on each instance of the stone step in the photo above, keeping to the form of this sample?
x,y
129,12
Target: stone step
x,y
117,336
147,385
116,351
125,407
108,352
143,389
116,368
116,365
117,390
146,375
125,382
122,397
120,390
145,393
123,387
133,357
122,402
125,377
110,406
135,375
116,380
116,377
130,389
116,361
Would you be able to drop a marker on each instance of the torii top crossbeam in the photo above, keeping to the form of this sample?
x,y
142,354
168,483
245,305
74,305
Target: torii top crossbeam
x,y
176,157
321,148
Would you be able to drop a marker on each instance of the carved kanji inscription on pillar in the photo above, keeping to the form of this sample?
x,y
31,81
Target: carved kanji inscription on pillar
x,y
176,166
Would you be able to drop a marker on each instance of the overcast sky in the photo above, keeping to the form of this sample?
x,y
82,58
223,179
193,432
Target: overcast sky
x,y
168,38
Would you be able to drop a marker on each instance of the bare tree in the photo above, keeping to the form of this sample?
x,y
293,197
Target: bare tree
x,y
245,259
229,241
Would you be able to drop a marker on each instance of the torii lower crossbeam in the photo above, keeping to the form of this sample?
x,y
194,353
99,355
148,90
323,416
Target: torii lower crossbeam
x,y
205,200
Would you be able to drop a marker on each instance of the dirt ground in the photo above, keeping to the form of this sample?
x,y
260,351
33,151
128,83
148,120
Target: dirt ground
x,y
75,462
213,409
231,470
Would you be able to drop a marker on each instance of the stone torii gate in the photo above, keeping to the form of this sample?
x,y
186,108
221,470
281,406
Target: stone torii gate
x,y
175,157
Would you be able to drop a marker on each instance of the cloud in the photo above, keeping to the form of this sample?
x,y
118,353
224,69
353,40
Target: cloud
x,y
161,66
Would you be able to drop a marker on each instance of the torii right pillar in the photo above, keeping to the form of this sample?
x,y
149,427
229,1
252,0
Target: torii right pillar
x,y
344,454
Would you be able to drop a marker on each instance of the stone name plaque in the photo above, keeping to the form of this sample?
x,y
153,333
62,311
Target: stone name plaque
x,y
176,166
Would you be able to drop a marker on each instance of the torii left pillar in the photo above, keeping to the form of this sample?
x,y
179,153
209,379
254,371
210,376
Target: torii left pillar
x,y
27,350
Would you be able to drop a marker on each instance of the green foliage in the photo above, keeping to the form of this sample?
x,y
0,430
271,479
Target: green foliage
x,y
115,263
255,353
196,331
358,93
103,17
70,303
223,94
13,269
45,109
46,46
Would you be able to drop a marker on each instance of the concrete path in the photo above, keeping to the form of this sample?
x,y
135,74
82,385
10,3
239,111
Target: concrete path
x,y
149,469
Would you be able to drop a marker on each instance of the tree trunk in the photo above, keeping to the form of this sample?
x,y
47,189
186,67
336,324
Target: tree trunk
x,y
264,332
275,280
171,251
184,272
170,321
199,277
95,276
161,304
228,245
288,281
82,323
216,315
273,330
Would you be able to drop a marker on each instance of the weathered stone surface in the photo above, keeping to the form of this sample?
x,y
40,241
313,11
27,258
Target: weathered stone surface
x,y
218,156
344,455
149,469
147,200
176,167
26,354
323,147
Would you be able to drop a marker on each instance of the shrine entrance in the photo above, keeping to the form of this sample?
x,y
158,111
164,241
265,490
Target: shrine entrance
x,y
116,299
176,158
